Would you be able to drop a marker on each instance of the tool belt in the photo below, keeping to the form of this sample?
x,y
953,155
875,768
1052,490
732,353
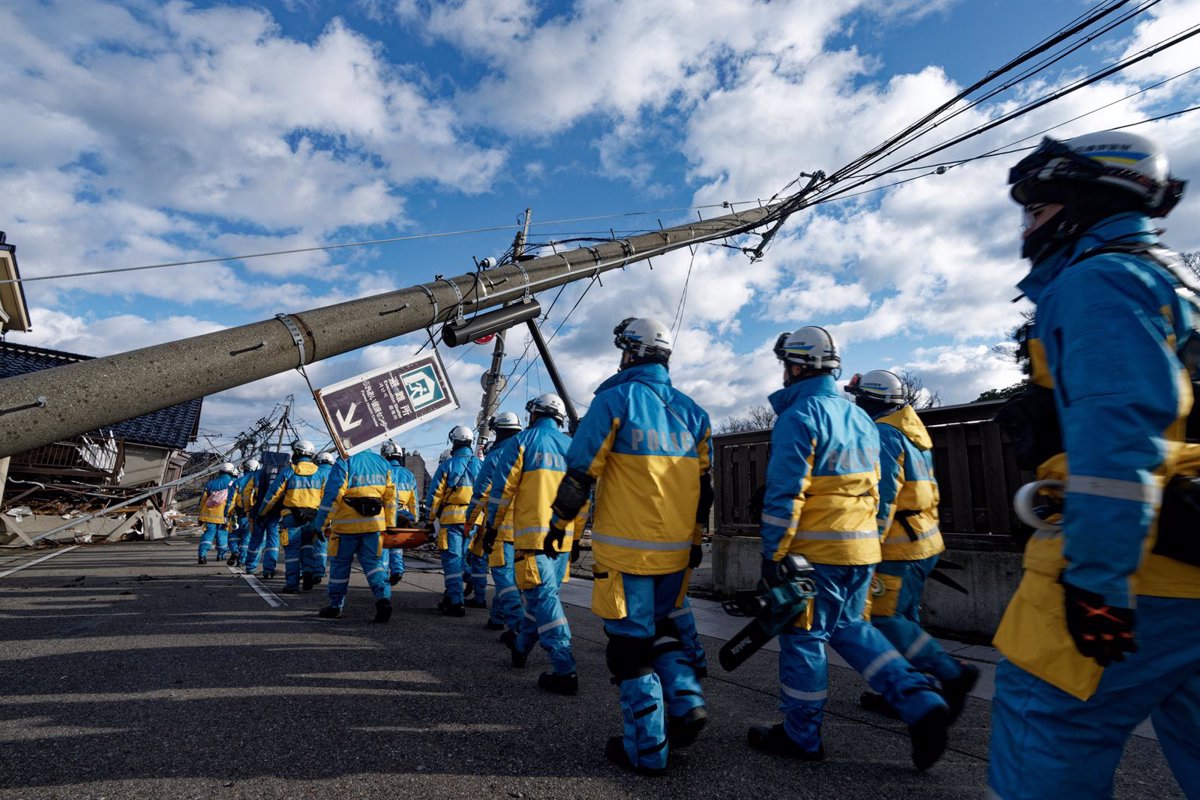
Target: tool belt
x,y
303,516
365,506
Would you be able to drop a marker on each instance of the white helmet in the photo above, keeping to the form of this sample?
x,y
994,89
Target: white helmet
x,y
643,337
1131,163
303,447
326,458
505,420
228,468
880,385
390,450
461,436
445,456
548,405
810,346
251,464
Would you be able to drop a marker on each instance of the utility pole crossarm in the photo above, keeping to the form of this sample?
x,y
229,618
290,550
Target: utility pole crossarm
x,y
92,394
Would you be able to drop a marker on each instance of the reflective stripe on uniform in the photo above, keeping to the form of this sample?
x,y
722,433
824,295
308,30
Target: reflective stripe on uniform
x,y
918,645
552,624
506,590
879,663
767,519
339,580
1133,491
836,536
902,535
377,569
796,694
640,544
533,529
680,612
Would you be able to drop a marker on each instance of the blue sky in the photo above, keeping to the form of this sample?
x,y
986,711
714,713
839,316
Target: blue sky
x,y
145,132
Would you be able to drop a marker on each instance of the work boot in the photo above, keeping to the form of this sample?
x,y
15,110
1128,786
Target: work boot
x,y
494,626
451,609
468,589
776,740
383,610
330,612
290,590
928,735
508,638
518,658
201,560
872,701
232,561
614,751
956,690
394,578
559,684
306,581
682,731
317,579
476,604
268,574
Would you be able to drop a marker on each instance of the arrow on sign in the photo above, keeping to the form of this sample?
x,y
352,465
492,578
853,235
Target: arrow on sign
x,y
348,423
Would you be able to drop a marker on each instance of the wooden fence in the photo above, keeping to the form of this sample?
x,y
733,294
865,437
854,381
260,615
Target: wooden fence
x,y
974,464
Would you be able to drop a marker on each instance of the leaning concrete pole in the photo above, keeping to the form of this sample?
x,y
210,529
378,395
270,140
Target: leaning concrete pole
x,y
39,408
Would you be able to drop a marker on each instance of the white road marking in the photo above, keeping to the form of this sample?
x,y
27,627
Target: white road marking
x,y
55,554
263,592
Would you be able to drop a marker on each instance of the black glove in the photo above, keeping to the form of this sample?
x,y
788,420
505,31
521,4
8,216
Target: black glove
x,y
1100,631
772,572
489,540
696,556
554,540
576,551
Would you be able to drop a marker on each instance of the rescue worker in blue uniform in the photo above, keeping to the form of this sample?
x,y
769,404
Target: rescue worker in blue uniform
x,y
314,550
295,495
358,504
406,505
1101,632
447,498
247,505
911,537
506,612
648,449
528,471
264,528
239,535
216,502
820,502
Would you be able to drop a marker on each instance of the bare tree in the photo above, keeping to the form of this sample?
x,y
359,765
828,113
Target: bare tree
x,y
758,418
915,393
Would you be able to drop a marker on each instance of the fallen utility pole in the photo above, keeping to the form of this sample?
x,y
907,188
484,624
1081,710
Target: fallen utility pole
x,y
92,394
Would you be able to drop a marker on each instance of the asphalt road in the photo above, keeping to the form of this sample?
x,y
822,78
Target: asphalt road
x,y
129,671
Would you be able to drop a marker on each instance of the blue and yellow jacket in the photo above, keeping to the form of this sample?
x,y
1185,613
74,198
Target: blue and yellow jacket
x,y
1105,339
822,488
365,477
477,510
648,446
449,492
406,493
236,491
298,485
908,492
525,481
217,499
248,496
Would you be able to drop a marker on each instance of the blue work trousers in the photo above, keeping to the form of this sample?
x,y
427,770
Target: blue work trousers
x,y
264,545
649,604
506,605
313,549
214,531
293,554
477,573
237,535
544,620
903,626
1047,743
395,561
452,563
342,549
837,619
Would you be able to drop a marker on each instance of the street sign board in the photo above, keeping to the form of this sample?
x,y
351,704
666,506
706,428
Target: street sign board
x,y
380,404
